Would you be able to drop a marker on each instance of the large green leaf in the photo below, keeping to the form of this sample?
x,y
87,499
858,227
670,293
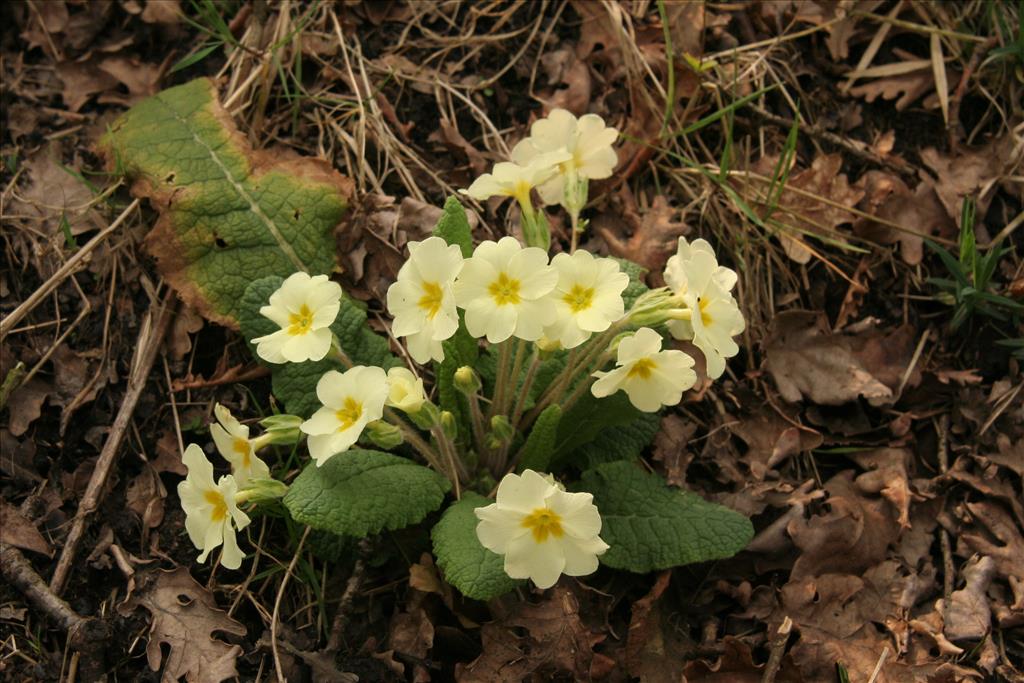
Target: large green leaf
x,y
473,569
610,423
295,383
361,492
651,526
624,442
229,214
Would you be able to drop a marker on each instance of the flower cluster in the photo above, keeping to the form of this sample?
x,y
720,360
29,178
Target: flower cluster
x,y
570,309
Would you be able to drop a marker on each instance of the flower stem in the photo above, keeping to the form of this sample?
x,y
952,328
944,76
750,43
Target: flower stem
x,y
575,236
531,374
447,448
340,355
476,418
513,379
500,377
413,437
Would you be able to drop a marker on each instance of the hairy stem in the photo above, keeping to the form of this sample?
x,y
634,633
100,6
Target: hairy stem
x,y
501,376
531,374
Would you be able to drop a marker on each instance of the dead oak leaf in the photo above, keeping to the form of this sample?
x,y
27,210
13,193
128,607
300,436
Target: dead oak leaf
x,y
968,616
655,232
556,640
1007,549
887,198
184,617
852,535
976,173
808,361
17,530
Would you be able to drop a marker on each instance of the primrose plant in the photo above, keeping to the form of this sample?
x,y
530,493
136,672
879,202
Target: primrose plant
x,y
546,377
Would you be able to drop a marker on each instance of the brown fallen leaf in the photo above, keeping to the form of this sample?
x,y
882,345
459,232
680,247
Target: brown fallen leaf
x,y
187,322
736,665
1007,549
53,196
804,210
184,618
851,536
556,641
25,404
807,361
976,173
655,232
967,616
655,652
18,531
887,475
771,439
888,198
145,497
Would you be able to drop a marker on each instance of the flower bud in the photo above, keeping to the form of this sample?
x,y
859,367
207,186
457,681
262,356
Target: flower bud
x,y
426,417
546,345
536,231
449,424
467,381
280,429
501,430
261,491
384,435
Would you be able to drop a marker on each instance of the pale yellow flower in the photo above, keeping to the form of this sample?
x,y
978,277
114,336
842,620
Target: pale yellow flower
x,y
350,401
233,442
211,514
587,298
405,390
304,308
421,299
503,288
652,378
542,530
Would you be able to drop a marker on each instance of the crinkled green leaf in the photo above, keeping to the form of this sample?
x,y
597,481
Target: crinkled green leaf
x,y
229,214
361,492
295,383
600,421
473,569
453,227
650,526
540,444
624,442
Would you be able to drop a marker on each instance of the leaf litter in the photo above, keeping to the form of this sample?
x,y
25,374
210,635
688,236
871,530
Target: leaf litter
x,y
888,542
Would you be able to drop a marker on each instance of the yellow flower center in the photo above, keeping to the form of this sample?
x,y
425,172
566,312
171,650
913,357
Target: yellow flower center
x,y
543,522
241,446
579,298
642,369
504,290
431,299
349,413
301,322
220,507
705,317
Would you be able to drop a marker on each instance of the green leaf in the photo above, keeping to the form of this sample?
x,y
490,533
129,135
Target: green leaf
x,y
601,421
461,349
361,492
650,526
453,227
229,214
625,442
473,569
295,383
540,444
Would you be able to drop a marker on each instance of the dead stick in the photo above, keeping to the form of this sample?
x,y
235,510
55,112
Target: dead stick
x,y
947,552
778,649
142,363
85,634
